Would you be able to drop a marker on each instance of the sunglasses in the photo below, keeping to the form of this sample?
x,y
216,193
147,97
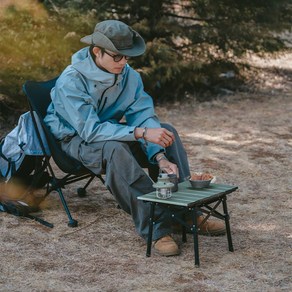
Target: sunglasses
x,y
117,58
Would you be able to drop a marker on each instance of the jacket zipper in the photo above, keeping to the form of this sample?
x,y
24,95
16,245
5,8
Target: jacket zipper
x,y
116,78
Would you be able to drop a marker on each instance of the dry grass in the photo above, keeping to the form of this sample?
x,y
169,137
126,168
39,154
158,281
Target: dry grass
x,y
244,140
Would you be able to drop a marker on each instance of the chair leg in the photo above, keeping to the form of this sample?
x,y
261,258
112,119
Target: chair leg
x,y
81,192
72,222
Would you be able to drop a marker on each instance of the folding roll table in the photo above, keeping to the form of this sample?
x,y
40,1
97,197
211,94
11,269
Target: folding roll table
x,y
188,200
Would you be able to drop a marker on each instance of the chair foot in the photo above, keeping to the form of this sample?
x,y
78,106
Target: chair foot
x,y
73,223
81,192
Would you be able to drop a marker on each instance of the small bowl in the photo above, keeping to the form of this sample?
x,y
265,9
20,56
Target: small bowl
x,y
200,184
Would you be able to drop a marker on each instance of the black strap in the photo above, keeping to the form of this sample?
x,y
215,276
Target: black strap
x,y
21,211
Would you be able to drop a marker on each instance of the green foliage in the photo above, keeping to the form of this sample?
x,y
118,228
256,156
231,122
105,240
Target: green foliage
x,y
36,48
190,44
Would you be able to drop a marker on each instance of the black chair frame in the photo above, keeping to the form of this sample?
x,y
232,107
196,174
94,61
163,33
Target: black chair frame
x,y
38,96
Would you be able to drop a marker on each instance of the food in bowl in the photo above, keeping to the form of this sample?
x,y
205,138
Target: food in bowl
x,y
200,180
201,176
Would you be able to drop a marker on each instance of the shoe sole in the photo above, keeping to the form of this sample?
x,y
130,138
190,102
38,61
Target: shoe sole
x,y
166,254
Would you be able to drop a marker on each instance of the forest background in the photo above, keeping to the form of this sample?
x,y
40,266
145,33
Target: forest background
x,y
221,73
195,49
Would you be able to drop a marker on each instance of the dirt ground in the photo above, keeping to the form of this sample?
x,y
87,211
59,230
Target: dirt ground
x,y
244,140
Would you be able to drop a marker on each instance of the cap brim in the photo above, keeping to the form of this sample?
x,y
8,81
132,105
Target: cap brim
x,y
100,40
86,39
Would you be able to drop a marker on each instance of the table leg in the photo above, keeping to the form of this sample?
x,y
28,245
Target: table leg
x,y
227,224
150,231
195,236
184,231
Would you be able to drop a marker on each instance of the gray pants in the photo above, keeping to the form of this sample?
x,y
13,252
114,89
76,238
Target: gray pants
x,y
123,164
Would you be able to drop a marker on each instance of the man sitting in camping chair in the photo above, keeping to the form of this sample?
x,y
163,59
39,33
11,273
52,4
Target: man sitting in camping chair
x,y
89,100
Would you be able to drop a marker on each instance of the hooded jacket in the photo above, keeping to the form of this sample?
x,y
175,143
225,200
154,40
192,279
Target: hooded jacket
x,y
90,102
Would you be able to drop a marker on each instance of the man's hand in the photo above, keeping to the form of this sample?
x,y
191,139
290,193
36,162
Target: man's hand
x,y
168,167
160,136
165,165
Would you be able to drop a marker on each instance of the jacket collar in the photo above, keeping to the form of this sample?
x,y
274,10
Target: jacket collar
x,y
82,61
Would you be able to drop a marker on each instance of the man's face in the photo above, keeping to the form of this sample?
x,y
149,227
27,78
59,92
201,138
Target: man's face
x,y
109,61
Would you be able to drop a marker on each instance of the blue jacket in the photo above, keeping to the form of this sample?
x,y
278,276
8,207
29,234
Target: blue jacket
x,y
18,143
90,102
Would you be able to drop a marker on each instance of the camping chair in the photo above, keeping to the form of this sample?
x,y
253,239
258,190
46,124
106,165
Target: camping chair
x,y
38,95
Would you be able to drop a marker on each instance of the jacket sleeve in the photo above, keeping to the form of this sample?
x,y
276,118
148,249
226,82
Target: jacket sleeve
x,y
74,105
141,113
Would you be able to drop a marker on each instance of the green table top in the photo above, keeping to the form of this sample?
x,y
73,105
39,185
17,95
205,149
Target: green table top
x,y
187,196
